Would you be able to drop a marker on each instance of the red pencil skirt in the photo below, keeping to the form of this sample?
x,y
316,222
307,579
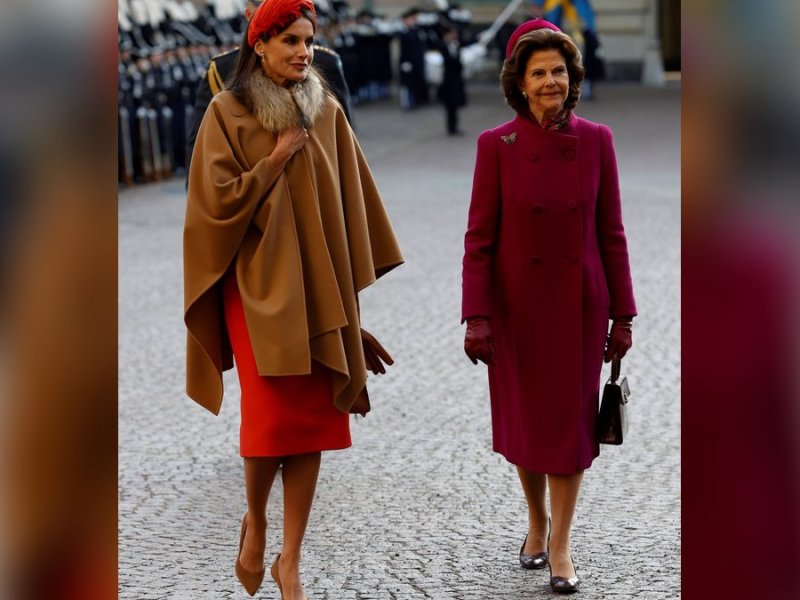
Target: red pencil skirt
x,y
281,415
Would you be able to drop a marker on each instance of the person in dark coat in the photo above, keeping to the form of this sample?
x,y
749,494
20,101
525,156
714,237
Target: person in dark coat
x,y
592,62
545,268
222,66
452,92
412,63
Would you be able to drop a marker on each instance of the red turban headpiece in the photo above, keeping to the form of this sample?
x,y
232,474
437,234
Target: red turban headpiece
x,y
527,27
272,13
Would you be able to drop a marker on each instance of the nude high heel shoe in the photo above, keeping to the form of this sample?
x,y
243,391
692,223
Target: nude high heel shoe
x,y
250,580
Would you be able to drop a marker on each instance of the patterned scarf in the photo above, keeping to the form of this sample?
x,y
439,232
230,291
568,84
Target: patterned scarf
x,y
558,121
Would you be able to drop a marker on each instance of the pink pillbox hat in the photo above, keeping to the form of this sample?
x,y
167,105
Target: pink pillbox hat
x,y
527,27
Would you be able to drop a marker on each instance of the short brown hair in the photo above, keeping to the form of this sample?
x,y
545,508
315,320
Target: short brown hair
x,y
514,67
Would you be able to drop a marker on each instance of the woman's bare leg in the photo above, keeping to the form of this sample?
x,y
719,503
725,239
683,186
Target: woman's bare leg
x,y
300,473
563,497
259,473
535,487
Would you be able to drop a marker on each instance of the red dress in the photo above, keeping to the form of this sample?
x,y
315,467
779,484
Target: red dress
x,y
291,414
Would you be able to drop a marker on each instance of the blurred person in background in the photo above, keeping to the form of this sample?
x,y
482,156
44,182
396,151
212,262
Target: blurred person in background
x,y
452,92
413,43
284,227
545,269
222,66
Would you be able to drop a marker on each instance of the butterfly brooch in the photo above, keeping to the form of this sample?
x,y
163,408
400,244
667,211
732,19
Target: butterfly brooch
x,y
509,139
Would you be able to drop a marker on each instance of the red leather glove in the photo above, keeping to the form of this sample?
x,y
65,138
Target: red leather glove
x,y
478,341
619,339
374,353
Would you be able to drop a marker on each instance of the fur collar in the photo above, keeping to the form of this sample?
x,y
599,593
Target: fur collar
x,y
277,108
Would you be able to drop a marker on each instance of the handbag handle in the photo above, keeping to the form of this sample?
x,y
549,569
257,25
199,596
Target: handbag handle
x,y
616,365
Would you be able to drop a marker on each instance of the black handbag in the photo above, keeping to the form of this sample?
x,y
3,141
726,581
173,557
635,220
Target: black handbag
x,y
612,420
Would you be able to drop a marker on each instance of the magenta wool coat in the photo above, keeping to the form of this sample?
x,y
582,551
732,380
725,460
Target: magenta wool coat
x,y
546,260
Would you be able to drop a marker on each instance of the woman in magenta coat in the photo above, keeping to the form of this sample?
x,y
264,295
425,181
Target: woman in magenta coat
x,y
545,270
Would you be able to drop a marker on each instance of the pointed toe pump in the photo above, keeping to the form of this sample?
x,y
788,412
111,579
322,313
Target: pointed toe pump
x,y
538,560
565,585
250,580
532,561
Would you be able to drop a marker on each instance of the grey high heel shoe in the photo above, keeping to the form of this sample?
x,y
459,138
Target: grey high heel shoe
x,y
565,585
538,560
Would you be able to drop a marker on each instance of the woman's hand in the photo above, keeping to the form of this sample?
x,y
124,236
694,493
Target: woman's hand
x,y
620,339
374,353
478,340
289,141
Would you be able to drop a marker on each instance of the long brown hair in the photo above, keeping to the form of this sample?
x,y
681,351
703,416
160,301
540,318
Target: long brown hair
x,y
249,60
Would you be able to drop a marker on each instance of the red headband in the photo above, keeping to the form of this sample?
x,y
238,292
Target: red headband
x,y
527,27
274,12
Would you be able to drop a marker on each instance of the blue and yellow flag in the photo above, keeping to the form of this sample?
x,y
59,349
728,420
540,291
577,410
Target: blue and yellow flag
x,y
568,14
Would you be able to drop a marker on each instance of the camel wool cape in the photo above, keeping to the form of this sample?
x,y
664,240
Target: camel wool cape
x,y
303,241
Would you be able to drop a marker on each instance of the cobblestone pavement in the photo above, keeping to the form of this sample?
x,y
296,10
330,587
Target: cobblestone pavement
x,y
419,507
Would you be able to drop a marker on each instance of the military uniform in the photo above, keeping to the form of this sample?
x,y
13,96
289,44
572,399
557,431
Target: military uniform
x,y
452,92
413,87
221,68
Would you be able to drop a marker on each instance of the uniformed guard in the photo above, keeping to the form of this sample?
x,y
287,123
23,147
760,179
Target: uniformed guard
x,y
222,66
413,88
452,92
344,42
372,39
125,108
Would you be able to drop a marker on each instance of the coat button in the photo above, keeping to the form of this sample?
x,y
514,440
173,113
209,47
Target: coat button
x,y
568,154
572,257
536,259
533,157
572,204
538,208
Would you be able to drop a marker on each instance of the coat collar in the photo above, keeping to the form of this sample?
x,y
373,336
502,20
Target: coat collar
x,y
278,108
527,125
